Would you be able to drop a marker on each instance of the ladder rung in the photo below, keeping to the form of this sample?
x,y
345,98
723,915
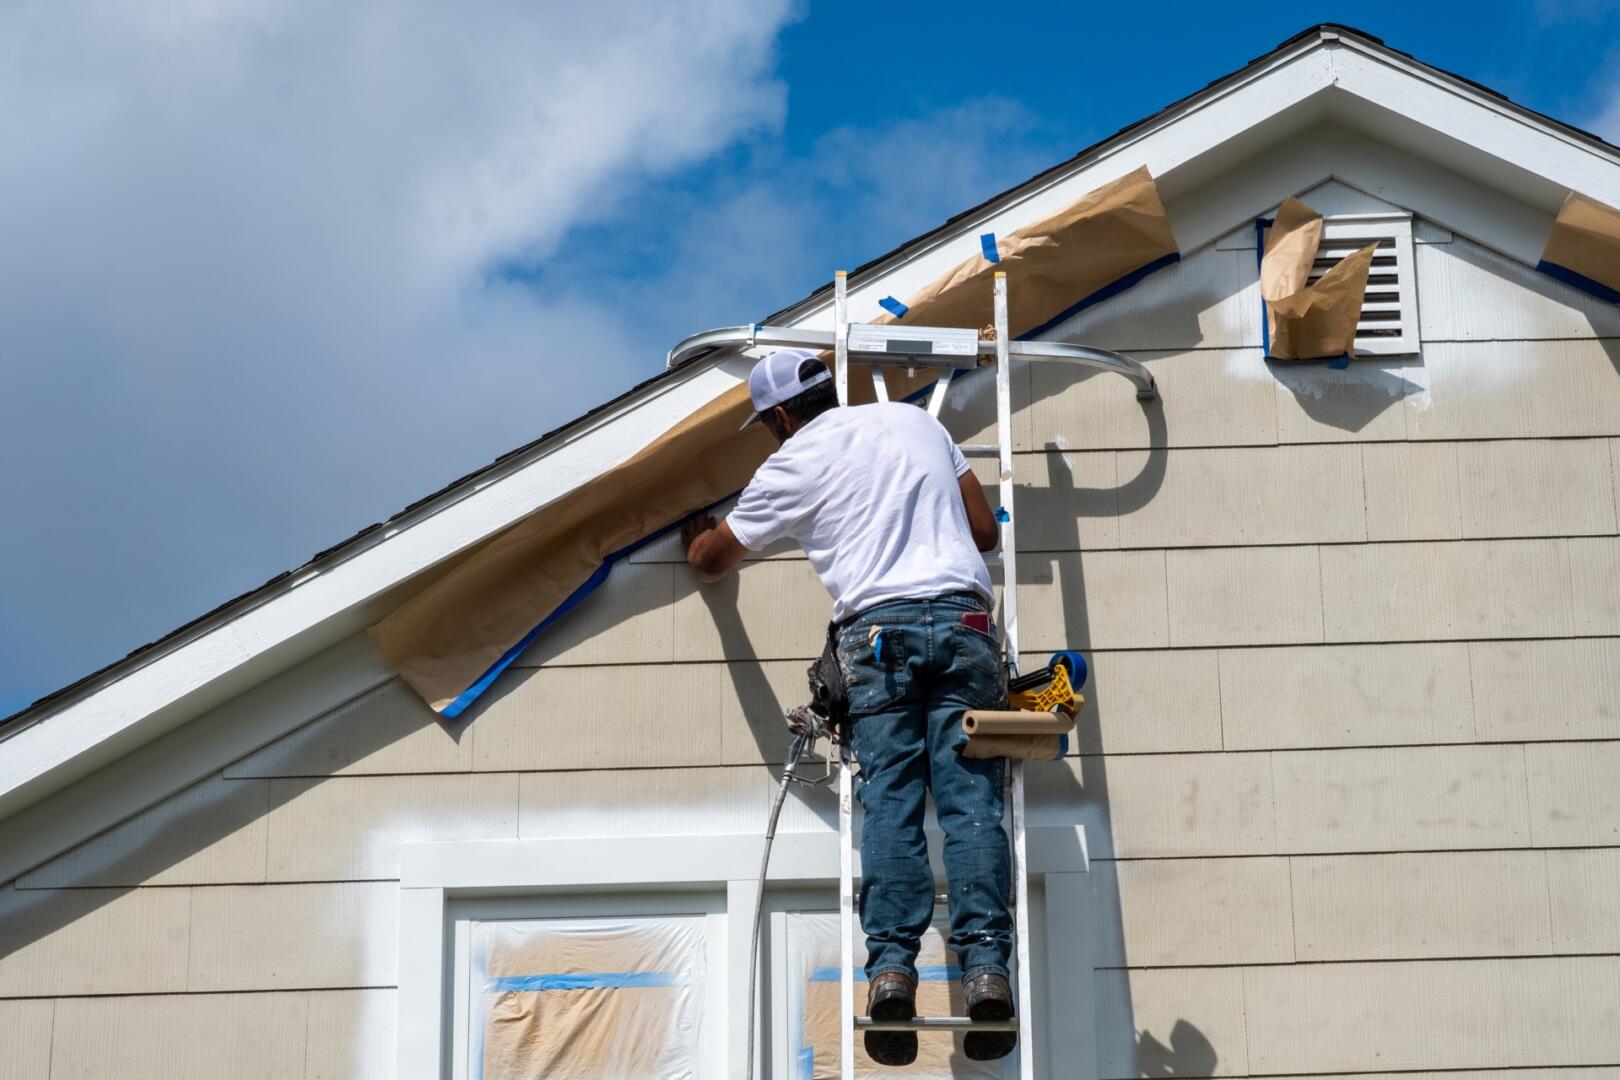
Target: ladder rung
x,y
935,1023
979,449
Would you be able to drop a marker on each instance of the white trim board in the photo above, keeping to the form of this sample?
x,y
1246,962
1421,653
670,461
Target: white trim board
x,y
434,877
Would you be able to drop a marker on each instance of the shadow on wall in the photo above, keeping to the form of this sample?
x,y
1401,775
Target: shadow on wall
x,y
1189,1053
1120,1051
1350,398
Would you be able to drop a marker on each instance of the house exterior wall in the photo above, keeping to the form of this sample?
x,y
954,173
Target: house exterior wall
x,y
1349,765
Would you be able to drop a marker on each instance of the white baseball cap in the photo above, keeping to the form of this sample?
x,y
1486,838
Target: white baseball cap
x,y
775,379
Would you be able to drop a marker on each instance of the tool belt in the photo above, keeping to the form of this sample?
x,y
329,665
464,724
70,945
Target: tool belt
x,y
829,695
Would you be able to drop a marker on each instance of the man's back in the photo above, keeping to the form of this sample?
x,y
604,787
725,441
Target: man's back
x,y
871,493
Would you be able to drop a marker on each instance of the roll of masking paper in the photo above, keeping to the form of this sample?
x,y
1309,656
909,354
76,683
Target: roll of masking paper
x,y
977,723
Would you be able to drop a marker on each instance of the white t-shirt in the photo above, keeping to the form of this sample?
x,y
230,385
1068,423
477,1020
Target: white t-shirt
x,y
871,494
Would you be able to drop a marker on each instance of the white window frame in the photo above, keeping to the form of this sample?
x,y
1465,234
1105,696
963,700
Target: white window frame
x,y
440,882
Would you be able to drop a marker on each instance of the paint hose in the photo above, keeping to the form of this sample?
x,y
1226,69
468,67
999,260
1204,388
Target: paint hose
x,y
801,742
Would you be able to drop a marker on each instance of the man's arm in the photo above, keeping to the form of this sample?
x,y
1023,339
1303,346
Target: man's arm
x,y
712,549
981,519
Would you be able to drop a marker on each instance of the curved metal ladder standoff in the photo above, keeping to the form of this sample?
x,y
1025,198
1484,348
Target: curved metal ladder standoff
x,y
951,352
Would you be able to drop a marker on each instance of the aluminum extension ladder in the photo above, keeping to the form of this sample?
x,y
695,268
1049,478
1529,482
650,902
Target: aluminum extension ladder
x,y
951,352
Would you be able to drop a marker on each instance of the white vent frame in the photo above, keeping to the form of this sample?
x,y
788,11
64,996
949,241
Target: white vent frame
x,y
1389,316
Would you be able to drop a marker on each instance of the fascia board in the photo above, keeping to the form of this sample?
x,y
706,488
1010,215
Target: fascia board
x,y
1254,186
1464,114
165,690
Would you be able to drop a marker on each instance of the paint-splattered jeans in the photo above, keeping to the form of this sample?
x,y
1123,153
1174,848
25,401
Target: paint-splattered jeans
x,y
913,667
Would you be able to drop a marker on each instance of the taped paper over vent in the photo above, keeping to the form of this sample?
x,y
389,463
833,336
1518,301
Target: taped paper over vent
x,y
579,999
450,641
812,1007
1583,249
1306,321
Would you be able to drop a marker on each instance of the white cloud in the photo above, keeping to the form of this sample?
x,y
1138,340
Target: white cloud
x,y
252,282
244,278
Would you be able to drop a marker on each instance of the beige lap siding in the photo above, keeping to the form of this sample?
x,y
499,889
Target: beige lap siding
x,y
323,1035
1308,1019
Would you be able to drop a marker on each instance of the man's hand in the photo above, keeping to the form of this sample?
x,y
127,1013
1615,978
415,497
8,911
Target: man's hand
x,y
695,526
710,549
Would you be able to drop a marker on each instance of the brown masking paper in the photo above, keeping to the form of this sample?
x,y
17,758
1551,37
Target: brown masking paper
x,y
1309,322
1586,239
1028,747
633,1032
448,635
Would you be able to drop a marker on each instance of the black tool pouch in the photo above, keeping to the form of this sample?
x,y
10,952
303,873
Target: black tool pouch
x,y
827,689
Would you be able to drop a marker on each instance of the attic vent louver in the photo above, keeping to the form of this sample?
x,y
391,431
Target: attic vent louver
x,y
1389,324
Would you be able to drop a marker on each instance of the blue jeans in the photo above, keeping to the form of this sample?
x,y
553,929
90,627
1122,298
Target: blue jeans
x,y
912,668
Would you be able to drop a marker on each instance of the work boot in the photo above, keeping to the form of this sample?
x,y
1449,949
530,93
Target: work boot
x,y
989,997
893,996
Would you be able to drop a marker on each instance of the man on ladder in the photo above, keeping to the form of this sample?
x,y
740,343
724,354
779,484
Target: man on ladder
x,y
889,514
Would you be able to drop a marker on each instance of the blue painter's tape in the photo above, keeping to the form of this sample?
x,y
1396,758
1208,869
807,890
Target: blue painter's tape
x,y
807,1063
586,980
1107,292
987,244
1579,281
1260,227
877,647
893,307
472,693
926,973
1002,515
1339,363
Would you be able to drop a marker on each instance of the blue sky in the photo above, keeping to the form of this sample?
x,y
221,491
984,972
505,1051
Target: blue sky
x,y
273,270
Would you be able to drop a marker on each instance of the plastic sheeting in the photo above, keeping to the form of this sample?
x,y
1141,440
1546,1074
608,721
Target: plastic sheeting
x,y
1583,249
584,999
450,640
812,1007
1309,321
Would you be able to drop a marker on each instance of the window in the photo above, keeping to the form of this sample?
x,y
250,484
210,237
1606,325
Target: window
x,y
633,989
628,956
1389,325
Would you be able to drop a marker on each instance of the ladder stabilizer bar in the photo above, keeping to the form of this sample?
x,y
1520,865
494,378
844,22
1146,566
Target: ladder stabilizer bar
x,y
755,336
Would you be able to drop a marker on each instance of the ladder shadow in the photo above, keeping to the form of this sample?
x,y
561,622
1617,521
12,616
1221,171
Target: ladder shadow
x,y
1081,795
